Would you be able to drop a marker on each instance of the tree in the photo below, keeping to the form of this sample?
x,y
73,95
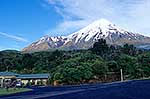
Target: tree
x,y
126,63
144,64
99,68
7,64
113,66
100,47
72,71
28,62
129,49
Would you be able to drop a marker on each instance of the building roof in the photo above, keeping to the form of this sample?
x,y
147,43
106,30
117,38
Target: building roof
x,y
8,74
33,76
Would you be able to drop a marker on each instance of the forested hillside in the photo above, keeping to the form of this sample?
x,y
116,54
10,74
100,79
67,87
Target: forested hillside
x,y
80,66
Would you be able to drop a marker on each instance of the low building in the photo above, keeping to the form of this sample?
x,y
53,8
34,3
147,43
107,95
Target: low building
x,y
4,76
34,79
31,79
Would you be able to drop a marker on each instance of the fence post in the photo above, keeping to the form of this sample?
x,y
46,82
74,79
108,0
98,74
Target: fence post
x,y
121,74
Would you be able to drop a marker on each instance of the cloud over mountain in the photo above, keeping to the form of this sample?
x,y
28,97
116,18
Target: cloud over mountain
x,y
16,38
126,13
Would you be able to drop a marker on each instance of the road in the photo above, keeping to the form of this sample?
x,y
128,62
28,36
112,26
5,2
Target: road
x,y
137,89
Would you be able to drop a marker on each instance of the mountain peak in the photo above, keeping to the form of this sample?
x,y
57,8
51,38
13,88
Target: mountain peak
x,y
86,37
102,21
98,29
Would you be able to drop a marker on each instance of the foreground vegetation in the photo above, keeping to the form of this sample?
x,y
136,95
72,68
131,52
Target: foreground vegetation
x,y
4,91
80,66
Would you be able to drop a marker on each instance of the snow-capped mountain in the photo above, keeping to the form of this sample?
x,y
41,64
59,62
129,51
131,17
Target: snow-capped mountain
x,y
85,37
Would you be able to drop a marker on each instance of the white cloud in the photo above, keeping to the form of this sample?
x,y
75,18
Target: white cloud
x,y
68,27
2,48
131,14
141,17
16,38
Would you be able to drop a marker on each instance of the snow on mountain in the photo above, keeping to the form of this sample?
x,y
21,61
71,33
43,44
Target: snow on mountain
x,y
101,29
85,37
92,29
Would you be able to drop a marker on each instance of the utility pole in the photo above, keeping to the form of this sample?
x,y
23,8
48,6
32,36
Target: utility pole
x,y
121,74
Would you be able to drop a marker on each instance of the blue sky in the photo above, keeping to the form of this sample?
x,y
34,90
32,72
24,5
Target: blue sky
x,y
24,21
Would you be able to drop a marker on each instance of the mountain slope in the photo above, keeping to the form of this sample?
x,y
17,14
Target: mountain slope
x,y
85,37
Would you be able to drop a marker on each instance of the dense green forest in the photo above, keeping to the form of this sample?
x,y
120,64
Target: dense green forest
x,y
80,66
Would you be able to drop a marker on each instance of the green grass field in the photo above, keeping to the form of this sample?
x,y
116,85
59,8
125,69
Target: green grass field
x,y
3,91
